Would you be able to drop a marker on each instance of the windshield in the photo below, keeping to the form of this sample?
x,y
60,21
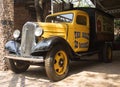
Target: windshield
x,y
60,18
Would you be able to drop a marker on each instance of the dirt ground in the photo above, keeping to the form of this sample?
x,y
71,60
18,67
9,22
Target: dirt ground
x,y
82,74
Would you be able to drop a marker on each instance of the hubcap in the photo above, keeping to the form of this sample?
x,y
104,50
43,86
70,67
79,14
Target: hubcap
x,y
60,63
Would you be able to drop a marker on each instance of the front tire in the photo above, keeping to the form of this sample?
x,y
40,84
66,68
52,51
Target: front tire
x,y
17,66
57,63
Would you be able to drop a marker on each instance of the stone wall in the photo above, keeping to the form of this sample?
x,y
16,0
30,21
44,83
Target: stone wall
x,y
6,27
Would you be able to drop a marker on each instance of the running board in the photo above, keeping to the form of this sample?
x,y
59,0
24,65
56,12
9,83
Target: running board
x,y
29,59
85,54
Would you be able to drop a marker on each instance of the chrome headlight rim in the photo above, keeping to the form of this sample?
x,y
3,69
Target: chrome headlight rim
x,y
16,33
39,31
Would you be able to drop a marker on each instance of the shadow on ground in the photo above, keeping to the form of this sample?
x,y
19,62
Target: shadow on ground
x,y
91,64
89,73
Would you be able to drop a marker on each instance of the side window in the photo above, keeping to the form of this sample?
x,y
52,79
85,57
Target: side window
x,y
82,20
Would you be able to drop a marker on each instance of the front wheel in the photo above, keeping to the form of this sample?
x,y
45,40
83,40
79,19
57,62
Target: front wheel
x,y
57,63
17,66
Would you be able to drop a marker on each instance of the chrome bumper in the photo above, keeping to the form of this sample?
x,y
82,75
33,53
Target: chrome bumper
x,y
29,59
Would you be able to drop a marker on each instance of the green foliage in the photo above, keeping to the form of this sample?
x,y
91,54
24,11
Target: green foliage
x,y
117,29
117,39
117,23
78,3
86,3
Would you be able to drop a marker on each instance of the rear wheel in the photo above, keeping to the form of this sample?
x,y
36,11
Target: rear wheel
x,y
17,66
57,63
105,53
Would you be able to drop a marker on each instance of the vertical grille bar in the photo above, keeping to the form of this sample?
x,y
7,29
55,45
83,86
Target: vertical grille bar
x,y
28,38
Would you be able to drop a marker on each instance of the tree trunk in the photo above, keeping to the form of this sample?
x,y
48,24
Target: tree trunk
x,y
43,8
39,10
6,26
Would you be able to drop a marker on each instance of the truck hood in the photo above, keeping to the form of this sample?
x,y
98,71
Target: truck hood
x,y
53,29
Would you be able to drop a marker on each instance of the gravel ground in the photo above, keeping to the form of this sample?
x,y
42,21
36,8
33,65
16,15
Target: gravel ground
x,y
82,74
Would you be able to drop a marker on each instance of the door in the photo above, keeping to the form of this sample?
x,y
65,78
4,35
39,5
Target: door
x,y
81,33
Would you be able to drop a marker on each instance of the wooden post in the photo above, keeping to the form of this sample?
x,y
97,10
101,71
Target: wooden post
x,y
6,26
52,7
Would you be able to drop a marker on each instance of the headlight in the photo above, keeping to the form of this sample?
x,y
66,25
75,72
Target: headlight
x,y
16,34
38,31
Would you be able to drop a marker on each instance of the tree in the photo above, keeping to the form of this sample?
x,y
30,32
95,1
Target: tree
x,y
6,26
39,9
42,8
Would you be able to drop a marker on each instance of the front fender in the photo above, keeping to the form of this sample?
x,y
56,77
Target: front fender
x,y
48,43
12,46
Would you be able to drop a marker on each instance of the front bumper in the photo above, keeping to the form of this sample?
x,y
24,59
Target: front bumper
x,y
37,59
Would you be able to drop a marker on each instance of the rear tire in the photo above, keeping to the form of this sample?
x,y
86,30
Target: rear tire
x,y
57,63
105,53
17,66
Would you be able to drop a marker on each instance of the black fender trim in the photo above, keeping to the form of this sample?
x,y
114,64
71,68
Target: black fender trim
x,y
12,46
47,43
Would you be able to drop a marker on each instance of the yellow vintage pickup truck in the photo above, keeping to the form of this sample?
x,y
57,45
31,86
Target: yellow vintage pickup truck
x,y
64,36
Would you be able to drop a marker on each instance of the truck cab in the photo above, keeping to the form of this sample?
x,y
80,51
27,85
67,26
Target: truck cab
x,y
64,36
73,26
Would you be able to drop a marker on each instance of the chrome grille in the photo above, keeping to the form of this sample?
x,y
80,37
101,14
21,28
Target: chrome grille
x,y
28,38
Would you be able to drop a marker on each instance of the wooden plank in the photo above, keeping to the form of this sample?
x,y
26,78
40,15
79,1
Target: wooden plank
x,y
33,59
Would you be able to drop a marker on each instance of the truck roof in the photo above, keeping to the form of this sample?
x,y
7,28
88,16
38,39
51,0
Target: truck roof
x,y
89,9
84,10
68,11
